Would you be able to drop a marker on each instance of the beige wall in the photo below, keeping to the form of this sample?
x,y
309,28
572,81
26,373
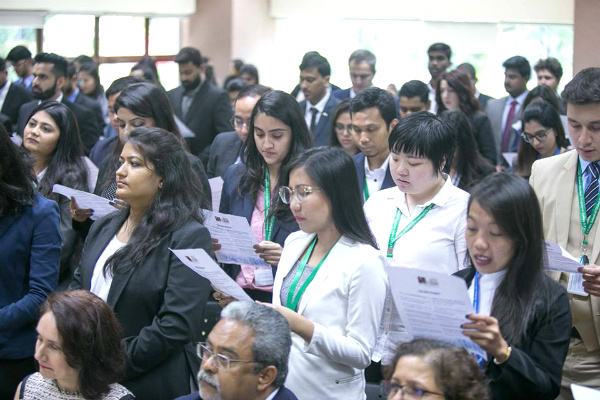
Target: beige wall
x,y
587,35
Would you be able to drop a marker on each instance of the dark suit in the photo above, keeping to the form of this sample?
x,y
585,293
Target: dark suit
x,y
159,305
89,129
223,153
342,94
92,105
323,128
241,205
15,98
483,100
534,369
209,114
102,149
359,163
484,136
283,394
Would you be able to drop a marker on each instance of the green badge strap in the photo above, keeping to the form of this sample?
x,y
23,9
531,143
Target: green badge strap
x,y
269,219
394,237
366,189
586,223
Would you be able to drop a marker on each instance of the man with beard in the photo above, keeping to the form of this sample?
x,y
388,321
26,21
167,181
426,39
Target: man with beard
x,y
204,108
439,61
245,356
49,77
12,97
20,58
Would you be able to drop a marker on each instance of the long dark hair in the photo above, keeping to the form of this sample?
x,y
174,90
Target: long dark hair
x,y
461,83
285,108
471,166
66,166
90,338
16,177
92,70
515,208
343,107
179,200
333,170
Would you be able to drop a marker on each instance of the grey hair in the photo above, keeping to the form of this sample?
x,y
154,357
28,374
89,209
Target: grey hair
x,y
272,337
363,55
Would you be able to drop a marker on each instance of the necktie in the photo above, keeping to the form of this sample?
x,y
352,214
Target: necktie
x,y
313,119
591,193
509,121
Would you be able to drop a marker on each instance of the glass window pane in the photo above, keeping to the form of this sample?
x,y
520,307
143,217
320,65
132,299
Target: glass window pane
x,y
69,35
110,72
121,36
14,36
168,71
163,36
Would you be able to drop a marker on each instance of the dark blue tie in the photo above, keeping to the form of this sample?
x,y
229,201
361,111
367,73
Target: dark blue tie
x,y
591,193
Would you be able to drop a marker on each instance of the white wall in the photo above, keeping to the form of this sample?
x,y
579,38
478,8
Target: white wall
x,y
139,7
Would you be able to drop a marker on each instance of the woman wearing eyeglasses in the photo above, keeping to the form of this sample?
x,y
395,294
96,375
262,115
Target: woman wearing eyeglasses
x,y
543,136
277,133
341,129
331,283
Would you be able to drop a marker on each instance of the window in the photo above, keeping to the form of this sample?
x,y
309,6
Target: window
x,y
69,35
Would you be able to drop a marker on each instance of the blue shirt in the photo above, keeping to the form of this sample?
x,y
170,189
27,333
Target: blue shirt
x,y
26,82
73,95
587,175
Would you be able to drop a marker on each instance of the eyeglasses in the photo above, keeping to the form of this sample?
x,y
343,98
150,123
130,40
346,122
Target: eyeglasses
x,y
299,193
239,122
221,361
341,128
541,137
390,390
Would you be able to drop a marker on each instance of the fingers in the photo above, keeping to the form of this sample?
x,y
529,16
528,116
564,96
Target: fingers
x,y
118,204
591,270
591,288
79,214
268,246
483,318
216,246
73,203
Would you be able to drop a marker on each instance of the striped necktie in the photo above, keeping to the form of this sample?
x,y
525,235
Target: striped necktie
x,y
591,193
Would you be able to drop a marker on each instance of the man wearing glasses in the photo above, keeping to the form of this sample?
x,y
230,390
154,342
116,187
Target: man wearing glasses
x,y
245,356
20,58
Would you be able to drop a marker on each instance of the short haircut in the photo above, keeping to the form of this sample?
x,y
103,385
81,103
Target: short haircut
x,y
120,84
18,53
519,64
315,60
441,47
235,85
468,69
189,54
584,88
422,134
60,65
272,337
250,70
361,55
378,98
253,91
71,70
550,64
415,89
83,59
2,65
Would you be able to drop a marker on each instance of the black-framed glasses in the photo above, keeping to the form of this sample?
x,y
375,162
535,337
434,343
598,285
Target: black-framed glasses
x,y
341,128
391,389
299,193
239,122
541,136
220,360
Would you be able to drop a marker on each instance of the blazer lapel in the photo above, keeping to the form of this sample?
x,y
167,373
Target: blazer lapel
x,y
196,101
117,286
93,254
565,186
6,222
283,269
178,98
248,207
388,181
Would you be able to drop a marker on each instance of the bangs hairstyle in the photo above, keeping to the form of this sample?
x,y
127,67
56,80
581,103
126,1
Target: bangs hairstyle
x,y
461,84
16,177
333,171
424,135
179,200
90,337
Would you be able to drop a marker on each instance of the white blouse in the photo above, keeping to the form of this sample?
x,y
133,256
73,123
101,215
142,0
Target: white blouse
x,y
100,283
487,289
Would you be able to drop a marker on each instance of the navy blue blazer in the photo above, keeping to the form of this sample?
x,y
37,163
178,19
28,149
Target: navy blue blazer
x,y
30,260
359,163
323,129
283,394
341,95
102,149
241,205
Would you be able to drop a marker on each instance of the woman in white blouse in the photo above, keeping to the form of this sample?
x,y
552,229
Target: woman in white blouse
x,y
420,223
330,284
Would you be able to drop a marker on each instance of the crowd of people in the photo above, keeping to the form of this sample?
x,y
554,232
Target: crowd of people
x,y
339,187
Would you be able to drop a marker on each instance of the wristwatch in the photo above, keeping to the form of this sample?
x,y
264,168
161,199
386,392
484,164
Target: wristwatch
x,y
506,355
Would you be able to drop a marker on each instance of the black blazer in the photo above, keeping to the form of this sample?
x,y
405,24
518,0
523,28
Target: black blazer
x,y
102,149
159,304
15,98
209,114
241,205
359,164
89,129
484,136
342,94
534,370
323,128
92,105
224,151
483,100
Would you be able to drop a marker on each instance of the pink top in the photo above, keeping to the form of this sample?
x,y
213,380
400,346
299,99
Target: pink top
x,y
245,277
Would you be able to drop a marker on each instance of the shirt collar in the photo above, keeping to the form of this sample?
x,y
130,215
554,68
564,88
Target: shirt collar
x,y
58,99
73,95
584,164
520,98
273,394
320,106
383,166
440,198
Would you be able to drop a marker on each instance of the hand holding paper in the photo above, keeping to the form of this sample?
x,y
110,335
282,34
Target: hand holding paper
x,y
85,200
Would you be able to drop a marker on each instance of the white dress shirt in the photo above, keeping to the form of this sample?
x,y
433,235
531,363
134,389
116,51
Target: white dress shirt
x,y
3,93
375,177
320,106
520,99
100,284
436,243
432,102
488,283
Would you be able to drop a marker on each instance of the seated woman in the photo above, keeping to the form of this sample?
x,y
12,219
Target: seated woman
x,y
51,136
278,133
78,349
341,129
89,84
426,368
30,259
543,136
127,262
522,317
331,282
468,165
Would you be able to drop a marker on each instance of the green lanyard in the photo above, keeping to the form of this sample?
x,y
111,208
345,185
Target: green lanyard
x,y
269,219
394,237
292,301
366,189
586,223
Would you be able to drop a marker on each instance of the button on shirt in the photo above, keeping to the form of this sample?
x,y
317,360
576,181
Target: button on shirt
x,y
375,178
519,99
320,106
437,243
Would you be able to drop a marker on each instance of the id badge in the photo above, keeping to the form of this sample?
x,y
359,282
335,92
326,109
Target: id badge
x,y
263,277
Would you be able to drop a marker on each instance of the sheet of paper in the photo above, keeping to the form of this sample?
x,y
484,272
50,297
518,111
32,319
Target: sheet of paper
x,y
560,259
575,285
235,237
100,205
216,187
201,263
432,305
509,157
584,393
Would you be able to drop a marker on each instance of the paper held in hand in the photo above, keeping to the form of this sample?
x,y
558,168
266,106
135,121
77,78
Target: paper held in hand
x,y
432,305
559,259
235,237
202,264
100,205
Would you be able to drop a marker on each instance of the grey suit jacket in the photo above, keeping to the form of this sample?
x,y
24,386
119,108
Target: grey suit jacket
x,y
224,151
494,111
323,128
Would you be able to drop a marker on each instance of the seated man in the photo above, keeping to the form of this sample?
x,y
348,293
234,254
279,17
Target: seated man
x,y
246,356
